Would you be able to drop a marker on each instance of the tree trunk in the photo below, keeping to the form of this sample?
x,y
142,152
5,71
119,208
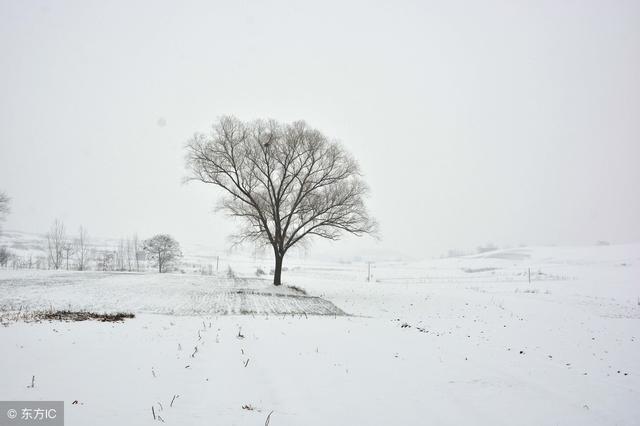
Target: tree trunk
x,y
278,271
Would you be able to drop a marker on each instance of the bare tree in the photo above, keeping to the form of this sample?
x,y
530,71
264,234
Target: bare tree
x,y
4,207
82,249
56,239
136,251
130,254
105,260
284,181
67,248
5,255
41,262
4,211
120,256
163,250
127,254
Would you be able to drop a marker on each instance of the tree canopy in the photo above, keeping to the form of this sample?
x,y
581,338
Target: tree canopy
x,y
162,250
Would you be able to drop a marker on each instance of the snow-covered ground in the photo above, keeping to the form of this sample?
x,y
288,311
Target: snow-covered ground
x,y
153,293
448,341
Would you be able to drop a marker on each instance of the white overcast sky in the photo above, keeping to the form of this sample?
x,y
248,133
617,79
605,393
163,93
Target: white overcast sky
x,y
512,122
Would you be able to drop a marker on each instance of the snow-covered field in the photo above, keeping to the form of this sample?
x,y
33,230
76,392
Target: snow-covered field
x,y
448,341
153,293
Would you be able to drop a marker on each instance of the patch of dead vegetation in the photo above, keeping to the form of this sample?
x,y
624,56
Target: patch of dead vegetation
x,y
63,315
298,289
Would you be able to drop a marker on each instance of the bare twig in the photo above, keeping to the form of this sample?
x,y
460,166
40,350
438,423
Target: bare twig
x,y
266,422
173,399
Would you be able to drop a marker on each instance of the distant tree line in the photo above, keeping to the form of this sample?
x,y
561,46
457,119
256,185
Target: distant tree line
x,y
75,252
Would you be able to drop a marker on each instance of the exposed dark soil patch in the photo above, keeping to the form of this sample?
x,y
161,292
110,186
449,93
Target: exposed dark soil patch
x,y
298,290
65,315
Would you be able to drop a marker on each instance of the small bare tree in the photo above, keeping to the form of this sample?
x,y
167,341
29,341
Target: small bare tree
x,y
135,247
127,252
4,207
5,255
56,240
67,249
120,256
162,250
285,182
105,260
82,249
131,251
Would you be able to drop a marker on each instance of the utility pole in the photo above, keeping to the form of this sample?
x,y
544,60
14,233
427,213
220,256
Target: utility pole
x,y
369,272
217,263
529,276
